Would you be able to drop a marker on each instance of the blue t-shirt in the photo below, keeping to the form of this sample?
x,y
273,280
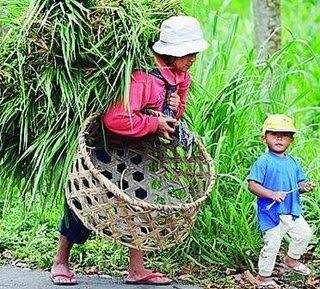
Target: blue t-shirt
x,y
277,174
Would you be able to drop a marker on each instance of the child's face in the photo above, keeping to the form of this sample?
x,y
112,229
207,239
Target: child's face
x,y
278,142
183,63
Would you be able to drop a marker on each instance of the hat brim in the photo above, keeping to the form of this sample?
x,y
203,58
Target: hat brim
x,y
293,130
181,49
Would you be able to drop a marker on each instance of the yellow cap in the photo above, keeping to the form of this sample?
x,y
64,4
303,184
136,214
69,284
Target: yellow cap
x,y
278,122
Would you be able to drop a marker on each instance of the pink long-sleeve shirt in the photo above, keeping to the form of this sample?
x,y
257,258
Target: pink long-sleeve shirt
x,y
146,91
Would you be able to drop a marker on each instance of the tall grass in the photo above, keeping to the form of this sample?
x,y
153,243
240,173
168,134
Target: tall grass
x,y
10,11
227,108
228,112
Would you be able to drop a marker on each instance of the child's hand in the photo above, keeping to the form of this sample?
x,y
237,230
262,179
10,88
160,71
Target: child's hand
x,y
173,101
279,196
308,186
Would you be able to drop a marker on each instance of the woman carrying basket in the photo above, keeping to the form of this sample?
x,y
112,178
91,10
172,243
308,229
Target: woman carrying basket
x,y
181,39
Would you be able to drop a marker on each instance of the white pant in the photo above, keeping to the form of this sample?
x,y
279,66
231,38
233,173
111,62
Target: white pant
x,y
300,233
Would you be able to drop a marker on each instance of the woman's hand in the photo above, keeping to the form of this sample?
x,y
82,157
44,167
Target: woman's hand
x,y
167,126
153,112
173,101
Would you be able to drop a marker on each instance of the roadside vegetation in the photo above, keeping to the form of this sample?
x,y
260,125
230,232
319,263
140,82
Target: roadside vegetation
x,y
230,98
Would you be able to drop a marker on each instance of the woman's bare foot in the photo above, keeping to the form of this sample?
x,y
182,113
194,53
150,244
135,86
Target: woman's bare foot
x,y
146,276
61,275
137,274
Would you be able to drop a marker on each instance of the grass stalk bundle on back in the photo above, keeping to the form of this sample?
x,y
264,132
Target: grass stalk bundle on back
x,y
65,61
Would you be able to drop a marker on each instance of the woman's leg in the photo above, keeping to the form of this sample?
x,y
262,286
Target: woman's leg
x,y
72,231
60,271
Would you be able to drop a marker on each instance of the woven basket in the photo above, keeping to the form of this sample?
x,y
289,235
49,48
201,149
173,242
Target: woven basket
x,y
143,193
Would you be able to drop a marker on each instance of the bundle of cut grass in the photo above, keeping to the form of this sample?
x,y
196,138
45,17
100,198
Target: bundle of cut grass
x,y
67,60
10,10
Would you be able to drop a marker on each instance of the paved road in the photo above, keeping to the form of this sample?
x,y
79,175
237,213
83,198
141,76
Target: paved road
x,y
17,278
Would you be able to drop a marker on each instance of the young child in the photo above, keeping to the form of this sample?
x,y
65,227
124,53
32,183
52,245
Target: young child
x,y
277,179
180,40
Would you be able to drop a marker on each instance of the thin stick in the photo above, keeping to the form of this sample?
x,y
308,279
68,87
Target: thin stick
x,y
271,205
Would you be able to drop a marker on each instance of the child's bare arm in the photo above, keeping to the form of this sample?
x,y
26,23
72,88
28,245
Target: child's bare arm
x,y
262,192
306,187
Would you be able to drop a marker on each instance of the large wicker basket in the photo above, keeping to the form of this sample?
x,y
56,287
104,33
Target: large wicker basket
x,y
144,193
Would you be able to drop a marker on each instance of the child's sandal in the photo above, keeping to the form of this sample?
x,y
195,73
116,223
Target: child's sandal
x,y
299,269
269,284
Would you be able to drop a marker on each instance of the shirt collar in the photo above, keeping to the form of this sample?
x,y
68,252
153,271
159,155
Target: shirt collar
x,y
172,77
276,155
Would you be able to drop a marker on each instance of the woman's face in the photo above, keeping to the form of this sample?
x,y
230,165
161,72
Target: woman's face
x,y
183,63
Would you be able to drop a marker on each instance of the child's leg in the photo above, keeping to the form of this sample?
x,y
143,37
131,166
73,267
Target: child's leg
x,y
269,252
300,233
267,259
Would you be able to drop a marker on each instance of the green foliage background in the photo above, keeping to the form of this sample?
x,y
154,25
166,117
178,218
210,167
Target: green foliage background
x,y
227,106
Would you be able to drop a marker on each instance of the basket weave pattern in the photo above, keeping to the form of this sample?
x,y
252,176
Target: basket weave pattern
x,y
144,193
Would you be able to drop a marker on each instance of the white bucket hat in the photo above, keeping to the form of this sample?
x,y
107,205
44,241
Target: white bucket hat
x,y
179,36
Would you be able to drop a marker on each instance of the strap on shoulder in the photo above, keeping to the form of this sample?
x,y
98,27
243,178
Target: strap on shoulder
x,y
169,89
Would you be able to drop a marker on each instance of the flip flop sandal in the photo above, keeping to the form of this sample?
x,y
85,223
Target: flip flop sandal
x,y
66,276
147,280
299,269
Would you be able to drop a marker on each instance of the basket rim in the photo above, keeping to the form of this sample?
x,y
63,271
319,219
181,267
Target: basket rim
x,y
107,184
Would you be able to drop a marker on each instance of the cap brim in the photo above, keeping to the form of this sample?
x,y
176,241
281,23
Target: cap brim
x,y
280,130
182,49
